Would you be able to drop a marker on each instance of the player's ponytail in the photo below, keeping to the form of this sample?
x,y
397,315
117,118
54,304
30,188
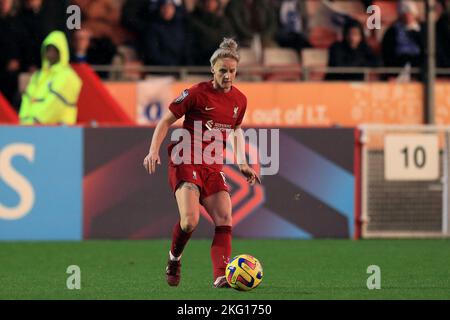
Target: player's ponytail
x,y
227,49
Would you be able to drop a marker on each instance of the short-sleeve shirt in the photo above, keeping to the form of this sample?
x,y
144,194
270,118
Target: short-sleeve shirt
x,y
209,109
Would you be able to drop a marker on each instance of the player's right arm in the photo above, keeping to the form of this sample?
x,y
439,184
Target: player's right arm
x,y
178,108
160,133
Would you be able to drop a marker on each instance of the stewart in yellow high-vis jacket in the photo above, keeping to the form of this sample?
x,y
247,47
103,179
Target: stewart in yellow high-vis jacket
x,y
52,94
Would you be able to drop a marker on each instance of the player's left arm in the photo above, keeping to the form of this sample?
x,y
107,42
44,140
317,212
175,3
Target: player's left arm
x,y
239,151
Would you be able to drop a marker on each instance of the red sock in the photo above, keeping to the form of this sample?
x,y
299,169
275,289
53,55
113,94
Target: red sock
x,y
179,239
221,250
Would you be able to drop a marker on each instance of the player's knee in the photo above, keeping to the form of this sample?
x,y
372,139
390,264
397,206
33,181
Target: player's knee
x,y
223,219
189,223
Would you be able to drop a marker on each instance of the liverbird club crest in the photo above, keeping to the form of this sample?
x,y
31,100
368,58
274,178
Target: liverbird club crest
x,y
235,112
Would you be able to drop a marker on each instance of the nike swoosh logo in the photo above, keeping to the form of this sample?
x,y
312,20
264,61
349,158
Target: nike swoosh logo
x,y
209,109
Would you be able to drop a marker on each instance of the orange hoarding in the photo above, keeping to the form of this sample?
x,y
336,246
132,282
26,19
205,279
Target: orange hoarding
x,y
125,93
442,100
285,104
324,104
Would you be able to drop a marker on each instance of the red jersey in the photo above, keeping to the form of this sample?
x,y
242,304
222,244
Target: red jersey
x,y
210,109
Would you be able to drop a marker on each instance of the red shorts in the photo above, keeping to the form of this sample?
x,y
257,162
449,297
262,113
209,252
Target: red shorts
x,y
209,179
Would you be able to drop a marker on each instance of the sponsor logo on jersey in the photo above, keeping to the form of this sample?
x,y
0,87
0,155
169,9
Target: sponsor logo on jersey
x,y
208,108
209,124
182,96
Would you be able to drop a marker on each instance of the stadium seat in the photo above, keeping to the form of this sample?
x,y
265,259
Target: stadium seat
x,y
322,37
128,64
287,59
325,22
102,17
313,58
249,59
196,78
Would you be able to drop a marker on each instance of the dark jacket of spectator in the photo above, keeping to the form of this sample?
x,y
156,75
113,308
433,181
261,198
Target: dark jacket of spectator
x,y
443,40
39,20
136,17
352,51
11,34
166,41
208,28
250,17
400,46
95,51
136,14
403,42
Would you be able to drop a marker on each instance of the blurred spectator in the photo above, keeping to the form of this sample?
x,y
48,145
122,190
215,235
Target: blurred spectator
x,y
127,65
81,41
103,18
155,4
52,94
250,18
136,17
292,24
93,51
39,18
166,41
10,34
352,51
208,28
136,14
190,5
367,3
403,41
443,36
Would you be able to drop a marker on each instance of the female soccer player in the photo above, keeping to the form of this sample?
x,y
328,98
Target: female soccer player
x,y
215,105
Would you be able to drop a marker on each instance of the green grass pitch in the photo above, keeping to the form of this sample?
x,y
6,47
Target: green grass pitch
x,y
293,269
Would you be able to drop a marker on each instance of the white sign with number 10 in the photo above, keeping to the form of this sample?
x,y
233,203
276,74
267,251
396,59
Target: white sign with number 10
x,y
411,157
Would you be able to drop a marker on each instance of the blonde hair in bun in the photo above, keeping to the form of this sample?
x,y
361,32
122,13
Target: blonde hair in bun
x,y
227,49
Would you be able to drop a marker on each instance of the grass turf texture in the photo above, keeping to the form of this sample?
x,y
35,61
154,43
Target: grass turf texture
x,y
293,269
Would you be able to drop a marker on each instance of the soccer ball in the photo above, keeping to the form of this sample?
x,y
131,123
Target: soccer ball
x,y
244,272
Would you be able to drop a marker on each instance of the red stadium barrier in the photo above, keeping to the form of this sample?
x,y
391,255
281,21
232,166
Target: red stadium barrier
x,y
7,113
95,102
